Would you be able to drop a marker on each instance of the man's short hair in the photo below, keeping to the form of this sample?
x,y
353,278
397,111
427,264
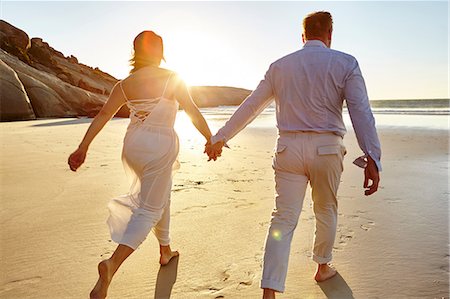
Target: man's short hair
x,y
317,24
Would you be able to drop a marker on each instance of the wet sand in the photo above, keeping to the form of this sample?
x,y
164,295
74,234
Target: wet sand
x,y
393,244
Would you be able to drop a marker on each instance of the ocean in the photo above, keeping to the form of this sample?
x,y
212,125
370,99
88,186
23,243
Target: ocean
x,y
422,114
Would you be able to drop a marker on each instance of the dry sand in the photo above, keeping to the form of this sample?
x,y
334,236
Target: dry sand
x,y
393,244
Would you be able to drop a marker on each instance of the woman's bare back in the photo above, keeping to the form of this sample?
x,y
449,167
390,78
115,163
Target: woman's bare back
x,y
149,83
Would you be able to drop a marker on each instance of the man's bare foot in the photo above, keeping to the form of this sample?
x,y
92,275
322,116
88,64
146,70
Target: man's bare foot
x,y
105,276
166,254
324,272
268,294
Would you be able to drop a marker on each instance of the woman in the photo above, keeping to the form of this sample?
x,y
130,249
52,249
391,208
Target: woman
x,y
149,153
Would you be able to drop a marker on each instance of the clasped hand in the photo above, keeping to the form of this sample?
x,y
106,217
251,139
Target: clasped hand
x,y
213,150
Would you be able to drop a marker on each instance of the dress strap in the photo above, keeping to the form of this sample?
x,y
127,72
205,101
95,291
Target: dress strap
x,y
167,83
123,92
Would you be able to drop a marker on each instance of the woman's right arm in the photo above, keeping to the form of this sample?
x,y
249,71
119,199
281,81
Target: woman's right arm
x,y
109,109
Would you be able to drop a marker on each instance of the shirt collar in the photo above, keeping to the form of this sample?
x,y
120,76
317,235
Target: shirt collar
x,y
314,43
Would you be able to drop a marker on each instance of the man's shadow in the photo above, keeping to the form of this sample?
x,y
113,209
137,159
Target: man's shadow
x,y
336,288
167,276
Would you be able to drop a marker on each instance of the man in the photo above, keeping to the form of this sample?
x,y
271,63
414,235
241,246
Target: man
x,y
309,87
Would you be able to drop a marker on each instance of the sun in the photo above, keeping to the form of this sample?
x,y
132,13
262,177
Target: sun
x,y
200,58
185,52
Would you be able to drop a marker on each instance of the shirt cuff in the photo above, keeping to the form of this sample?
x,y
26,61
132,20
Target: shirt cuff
x,y
362,161
217,138
376,160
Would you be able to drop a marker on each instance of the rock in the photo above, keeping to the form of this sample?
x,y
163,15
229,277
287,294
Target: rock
x,y
45,58
14,102
39,53
86,86
51,96
14,41
72,59
38,43
46,102
213,96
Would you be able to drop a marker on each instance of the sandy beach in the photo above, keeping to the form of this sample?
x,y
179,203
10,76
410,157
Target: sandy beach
x,y
393,244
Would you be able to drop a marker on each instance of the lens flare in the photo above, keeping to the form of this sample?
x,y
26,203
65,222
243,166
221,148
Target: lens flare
x,y
276,234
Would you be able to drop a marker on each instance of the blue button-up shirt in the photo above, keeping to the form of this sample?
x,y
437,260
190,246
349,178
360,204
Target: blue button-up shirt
x,y
309,87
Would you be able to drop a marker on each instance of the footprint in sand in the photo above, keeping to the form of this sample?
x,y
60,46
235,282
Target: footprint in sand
x,y
264,223
259,256
239,191
13,284
189,209
243,279
345,236
352,217
207,290
224,275
247,281
107,252
344,239
368,226
243,205
306,252
188,184
393,200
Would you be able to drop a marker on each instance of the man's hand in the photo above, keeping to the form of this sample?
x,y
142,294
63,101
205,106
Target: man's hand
x,y
213,150
371,174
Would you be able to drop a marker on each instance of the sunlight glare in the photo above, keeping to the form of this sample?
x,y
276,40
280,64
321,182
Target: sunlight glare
x,y
200,58
186,131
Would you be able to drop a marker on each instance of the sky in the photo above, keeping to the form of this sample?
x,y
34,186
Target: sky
x,y
402,47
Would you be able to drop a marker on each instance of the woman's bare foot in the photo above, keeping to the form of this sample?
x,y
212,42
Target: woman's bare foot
x,y
324,272
105,276
166,254
268,294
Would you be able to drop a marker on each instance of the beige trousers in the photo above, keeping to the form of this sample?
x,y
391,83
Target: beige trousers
x,y
302,157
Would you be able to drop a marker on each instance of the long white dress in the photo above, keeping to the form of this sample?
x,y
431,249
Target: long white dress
x,y
149,155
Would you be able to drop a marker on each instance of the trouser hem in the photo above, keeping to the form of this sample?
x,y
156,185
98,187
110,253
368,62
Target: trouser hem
x,y
321,260
270,284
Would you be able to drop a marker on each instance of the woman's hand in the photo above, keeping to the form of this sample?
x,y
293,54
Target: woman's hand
x,y
76,159
115,101
213,150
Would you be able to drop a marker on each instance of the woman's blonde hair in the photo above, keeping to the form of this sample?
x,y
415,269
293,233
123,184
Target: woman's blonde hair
x,y
148,50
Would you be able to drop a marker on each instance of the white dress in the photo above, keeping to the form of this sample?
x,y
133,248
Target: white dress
x,y
149,156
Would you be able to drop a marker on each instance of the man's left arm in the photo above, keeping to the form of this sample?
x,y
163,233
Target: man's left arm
x,y
253,105
364,125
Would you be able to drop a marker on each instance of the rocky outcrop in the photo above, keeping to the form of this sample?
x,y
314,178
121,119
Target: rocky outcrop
x,y
51,97
14,102
46,101
14,41
54,85
47,59
213,96
40,82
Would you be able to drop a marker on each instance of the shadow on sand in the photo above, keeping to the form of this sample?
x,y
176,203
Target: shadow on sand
x,y
336,288
59,122
167,275
71,121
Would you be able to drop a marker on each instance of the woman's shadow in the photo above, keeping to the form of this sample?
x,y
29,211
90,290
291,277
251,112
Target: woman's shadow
x,y
167,276
336,288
